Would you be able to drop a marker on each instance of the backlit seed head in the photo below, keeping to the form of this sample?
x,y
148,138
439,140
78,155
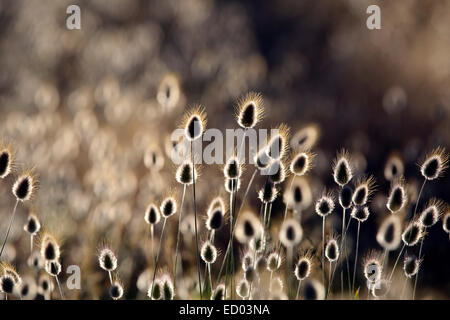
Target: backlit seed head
x,y
194,123
27,289
168,207
116,290
153,158
273,262
258,243
247,260
9,270
325,205
157,293
45,285
291,233
6,160
300,196
342,169
53,268
232,169
302,163
313,290
152,215
364,189
360,213
243,288
433,211
169,92
372,266
394,168
411,266
268,193
7,284
303,267
208,252
219,293
168,292
261,159
277,146
25,186
397,196
345,197
305,138
446,222
184,173
107,259
260,264
36,261
413,233
435,164
216,204
277,172
232,185
332,250
49,247
32,226
389,234
248,227
250,110
381,288
216,219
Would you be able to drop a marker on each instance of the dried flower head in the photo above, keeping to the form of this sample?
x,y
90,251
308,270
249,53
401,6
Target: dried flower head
x,y
36,261
233,168
277,172
433,211
116,290
248,227
345,197
168,291
7,284
194,123
389,234
53,268
208,252
303,267
243,288
250,110
332,250
313,290
215,218
9,270
446,222
247,260
258,243
32,226
363,190
299,197
219,292
25,185
152,215
397,196
273,262
277,146
250,274
45,285
169,91
168,207
291,233
413,233
261,159
306,138
49,247
394,167
342,169
302,163
184,173
107,260
260,264
27,289
381,288
373,266
325,205
360,213
411,266
157,293
268,193
232,185
6,160
435,164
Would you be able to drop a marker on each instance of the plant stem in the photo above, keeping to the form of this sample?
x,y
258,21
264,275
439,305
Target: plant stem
x,y
396,262
110,276
356,257
418,197
9,227
59,287
178,236
157,254
417,275
323,253
298,289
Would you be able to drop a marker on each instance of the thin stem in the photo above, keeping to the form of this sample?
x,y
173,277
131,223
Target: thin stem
x,y
209,274
157,253
31,243
404,288
9,227
152,231
178,236
323,252
59,287
329,279
396,262
298,289
110,276
418,197
417,275
356,257
246,191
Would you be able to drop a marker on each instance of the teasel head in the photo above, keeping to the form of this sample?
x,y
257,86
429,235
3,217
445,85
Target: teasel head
x,y
261,159
291,233
157,293
372,266
50,250
411,266
435,164
342,168
273,262
248,227
25,185
306,137
107,259
446,221
116,289
208,252
168,207
184,173
243,288
381,288
152,215
268,193
389,234
431,214
233,168
332,249
313,290
363,190
302,163
32,226
219,292
345,197
397,196
413,233
325,205
277,146
194,123
168,291
303,266
232,185
9,270
360,213
394,167
250,110
53,268
6,160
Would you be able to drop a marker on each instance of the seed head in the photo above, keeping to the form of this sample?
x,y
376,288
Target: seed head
x,y
184,173
300,196
25,186
232,169
413,233
157,293
435,164
53,268
268,193
325,205
342,169
313,290
381,288
394,168
446,222
250,274
243,288
7,284
433,211
303,267
261,159
363,191
345,197
168,207
49,248
250,110
219,293
194,123
277,172
248,227
116,290
27,289
373,266
260,264
215,219
9,270
411,266
169,92
397,196
273,262
45,285
277,146
152,215
6,160
360,213
258,243
389,234
208,252
35,261
232,185
247,260
291,233
168,291
33,225
306,138
107,260
332,250
302,163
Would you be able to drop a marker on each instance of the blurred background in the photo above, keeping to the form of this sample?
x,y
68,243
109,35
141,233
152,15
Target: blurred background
x,y
91,109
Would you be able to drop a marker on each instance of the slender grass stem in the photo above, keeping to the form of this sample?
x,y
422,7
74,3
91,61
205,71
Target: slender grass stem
x,y
298,289
418,197
356,257
31,243
396,262
157,253
178,236
417,275
323,252
110,276
59,287
152,231
9,227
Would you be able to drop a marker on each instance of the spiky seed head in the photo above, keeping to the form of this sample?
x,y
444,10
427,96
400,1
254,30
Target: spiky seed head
x,y
7,284
25,186
300,196
435,164
6,160
247,260
411,266
261,159
332,250
167,287
157,293
413,233
208,252
153,158
27,289
446,222
49,248
389,234
169,91
8,269
107,260
250,110
277,172
291,233
45,285
394,168
397,196
116,290
248,227
360,213
219,293
194,123
232,185
277,146
372,266
33,225
303,267
243,288
216,219
342,169
152,215
184,173
168,207
53,268
345,197
260,264
302,163
381,288
433,211
273,262
36,261
258,244
233,168
268,193
324,205
363,191
306,138
313,290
